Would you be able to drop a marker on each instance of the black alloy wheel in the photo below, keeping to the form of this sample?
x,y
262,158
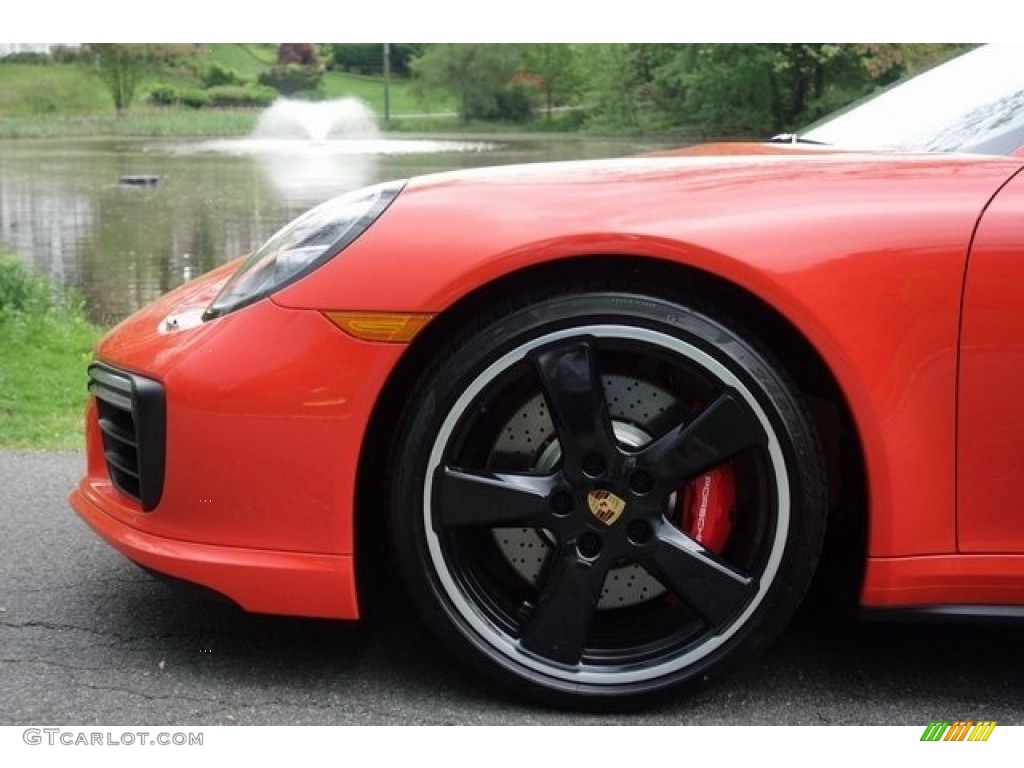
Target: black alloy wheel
x,y
540,487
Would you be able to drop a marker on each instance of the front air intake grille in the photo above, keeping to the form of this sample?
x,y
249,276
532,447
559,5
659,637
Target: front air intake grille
x,y
132,418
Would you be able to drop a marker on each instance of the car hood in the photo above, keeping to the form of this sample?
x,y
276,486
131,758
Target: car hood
x,y
748,148
691,169
450,231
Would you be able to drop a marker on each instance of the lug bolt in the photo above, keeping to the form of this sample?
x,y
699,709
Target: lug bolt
x,y
639,531
561,502
589,545
641,482
593,464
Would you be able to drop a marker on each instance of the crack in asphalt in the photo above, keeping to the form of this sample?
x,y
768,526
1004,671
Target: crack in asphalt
x,y
76,667
106,633
57,627
121,690
174,695
109,640
18,591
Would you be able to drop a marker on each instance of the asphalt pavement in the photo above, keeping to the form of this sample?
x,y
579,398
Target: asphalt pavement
x,y
86,638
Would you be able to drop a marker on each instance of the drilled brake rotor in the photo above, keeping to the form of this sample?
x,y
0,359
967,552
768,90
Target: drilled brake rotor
x,y
529,435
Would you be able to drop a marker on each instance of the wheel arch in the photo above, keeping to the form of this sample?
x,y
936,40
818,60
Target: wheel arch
x,y
845,552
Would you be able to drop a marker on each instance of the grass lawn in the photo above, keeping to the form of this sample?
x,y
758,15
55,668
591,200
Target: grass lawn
x,y
143,121
70,99
371,90
42,380
46,346
49,89
246,59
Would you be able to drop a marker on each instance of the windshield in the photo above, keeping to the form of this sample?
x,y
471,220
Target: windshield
x,y
973,103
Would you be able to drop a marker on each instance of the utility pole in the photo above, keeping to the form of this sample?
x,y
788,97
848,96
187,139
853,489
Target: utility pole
x,y
387,83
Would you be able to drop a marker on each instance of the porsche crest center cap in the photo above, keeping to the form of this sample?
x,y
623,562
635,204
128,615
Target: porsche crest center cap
x,y
605,506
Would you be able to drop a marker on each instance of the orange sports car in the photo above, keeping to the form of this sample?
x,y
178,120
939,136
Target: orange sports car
x,y
614,416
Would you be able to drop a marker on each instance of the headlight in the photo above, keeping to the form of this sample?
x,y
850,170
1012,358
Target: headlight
x,y
303,245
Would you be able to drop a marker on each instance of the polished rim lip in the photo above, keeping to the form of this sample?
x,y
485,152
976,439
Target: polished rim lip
x,y
584,673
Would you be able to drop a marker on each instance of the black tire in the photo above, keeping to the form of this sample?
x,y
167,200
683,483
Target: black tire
x,y
507,445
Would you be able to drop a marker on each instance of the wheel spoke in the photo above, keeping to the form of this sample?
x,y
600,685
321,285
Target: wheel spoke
x,y
490,499
723,430
714,589
575,398
560,624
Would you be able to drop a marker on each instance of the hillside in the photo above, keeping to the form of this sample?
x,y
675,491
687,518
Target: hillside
x,y
33,89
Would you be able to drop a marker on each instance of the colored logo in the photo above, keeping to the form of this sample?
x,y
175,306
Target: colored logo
x,y
959,730
605,506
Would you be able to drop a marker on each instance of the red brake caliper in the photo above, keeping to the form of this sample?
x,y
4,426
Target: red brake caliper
x,y
706,506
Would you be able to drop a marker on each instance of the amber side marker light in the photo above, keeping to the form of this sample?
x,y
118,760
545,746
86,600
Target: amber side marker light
x,y
380,326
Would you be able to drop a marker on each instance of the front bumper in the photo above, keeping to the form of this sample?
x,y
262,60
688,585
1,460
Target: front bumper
x,y
260,581
265,414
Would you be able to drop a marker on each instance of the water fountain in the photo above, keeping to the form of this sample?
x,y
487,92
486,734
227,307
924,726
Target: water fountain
x,y
312,150
348,118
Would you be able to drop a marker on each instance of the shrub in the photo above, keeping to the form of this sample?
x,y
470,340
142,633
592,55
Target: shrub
x,y
166,95
514,103
20,290
217,75
241,95
363,58
195,98
303,54
292,78
367,58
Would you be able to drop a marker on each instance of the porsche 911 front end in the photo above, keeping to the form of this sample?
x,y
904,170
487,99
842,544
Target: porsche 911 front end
x,y
605,406
221,444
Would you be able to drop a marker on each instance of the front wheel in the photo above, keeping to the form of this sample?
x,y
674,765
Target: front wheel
x,y
601,496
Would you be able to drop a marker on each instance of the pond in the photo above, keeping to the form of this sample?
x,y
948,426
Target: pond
x,y
66,209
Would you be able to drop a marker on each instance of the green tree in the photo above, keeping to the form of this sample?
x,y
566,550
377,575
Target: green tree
x,y
123,66
556,66
362,58
756,89
888,62
617,81
478,75
368,58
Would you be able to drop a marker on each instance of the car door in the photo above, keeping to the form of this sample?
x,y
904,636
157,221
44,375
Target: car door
x,y
990,418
